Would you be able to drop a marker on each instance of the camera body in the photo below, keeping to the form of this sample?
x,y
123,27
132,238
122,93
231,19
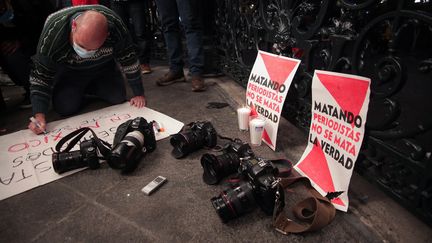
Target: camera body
x,y
218,166
258,187
261,174
195,136
86,156
132,140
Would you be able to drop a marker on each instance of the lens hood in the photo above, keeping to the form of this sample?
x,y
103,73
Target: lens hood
x,y
179,142
210,175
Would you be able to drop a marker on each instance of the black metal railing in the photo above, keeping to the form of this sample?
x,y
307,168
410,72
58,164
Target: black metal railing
x,y
387,41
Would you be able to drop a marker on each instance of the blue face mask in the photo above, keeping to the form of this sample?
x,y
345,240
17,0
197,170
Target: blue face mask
x,y
7,16
83,53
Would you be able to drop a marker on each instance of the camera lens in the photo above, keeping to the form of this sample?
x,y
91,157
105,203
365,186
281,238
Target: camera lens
x,y
135,137
235,202
125,154
180,145
186,143
198,135
66,161
217,167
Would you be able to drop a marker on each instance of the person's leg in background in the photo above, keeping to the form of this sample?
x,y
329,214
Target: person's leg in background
x,y
17,67
2,104
2,114
142,34
120,8
106,3
169,15
193,31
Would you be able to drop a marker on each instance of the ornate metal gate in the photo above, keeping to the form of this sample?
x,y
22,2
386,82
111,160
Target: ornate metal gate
x,y
387,40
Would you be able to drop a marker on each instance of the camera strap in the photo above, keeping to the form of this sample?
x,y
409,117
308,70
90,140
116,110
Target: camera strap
x,y
313,213
75,136
228,138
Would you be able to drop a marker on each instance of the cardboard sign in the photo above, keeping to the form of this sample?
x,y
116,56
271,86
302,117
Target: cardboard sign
x,y
26,157
339,108
268,85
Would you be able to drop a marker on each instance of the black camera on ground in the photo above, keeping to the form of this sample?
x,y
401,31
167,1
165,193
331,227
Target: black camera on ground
x,y
132,140
194,136
218,166
86,156
258,187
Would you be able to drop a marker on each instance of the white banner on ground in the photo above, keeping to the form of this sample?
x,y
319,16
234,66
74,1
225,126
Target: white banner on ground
x,y
268,85
26,157
339,109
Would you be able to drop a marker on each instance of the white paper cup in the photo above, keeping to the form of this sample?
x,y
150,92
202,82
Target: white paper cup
x,y
256,126
243,118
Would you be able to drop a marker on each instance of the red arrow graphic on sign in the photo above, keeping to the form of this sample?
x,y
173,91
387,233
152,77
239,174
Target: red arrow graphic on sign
x,y
349,93
316,168
274,68
266,138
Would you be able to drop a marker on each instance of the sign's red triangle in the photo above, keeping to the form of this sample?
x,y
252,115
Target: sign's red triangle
x,y
338,201
316,168
349,93
267,138
278,68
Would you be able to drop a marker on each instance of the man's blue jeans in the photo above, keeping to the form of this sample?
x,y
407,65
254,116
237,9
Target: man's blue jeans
x,y
170,11
141,33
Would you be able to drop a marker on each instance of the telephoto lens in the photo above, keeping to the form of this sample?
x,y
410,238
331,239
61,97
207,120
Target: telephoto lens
x,y
86,156
127,150
217,167
133,139
234,202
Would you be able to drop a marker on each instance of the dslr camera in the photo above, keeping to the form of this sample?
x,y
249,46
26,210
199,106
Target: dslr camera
x,y
258,187
217,167
132,140
196,135
86,156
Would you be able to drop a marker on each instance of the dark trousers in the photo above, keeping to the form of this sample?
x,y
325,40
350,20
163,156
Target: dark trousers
x,y
135,11
71,85
170,11
17,67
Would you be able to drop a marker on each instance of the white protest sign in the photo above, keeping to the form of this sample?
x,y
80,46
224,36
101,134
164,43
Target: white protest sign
x,y
268,85
26,157
339,108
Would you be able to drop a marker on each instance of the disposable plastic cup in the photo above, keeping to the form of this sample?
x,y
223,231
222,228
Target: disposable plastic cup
x,y
256,130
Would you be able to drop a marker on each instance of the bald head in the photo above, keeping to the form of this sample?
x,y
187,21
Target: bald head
x,y
90,30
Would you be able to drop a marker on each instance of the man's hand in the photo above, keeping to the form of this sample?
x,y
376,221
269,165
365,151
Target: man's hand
x,y
40,118
138,101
